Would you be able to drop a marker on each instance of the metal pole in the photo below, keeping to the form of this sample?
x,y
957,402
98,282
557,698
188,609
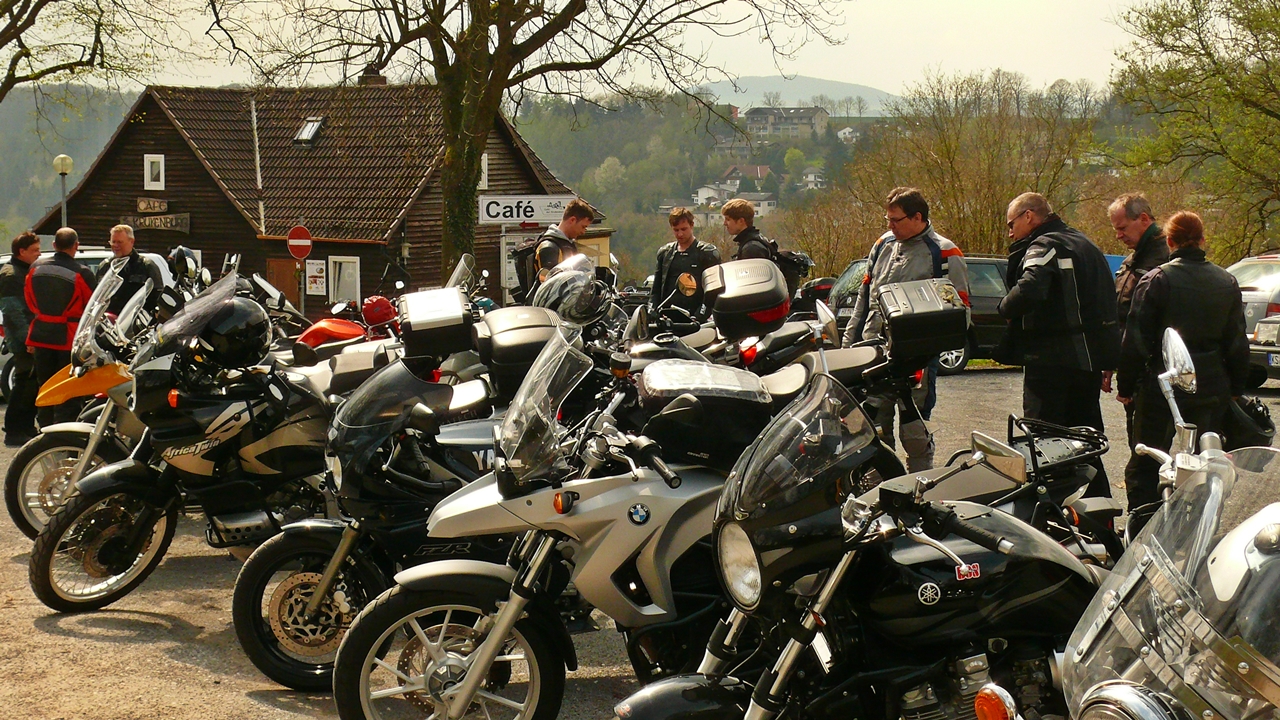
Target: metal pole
x,y
64,199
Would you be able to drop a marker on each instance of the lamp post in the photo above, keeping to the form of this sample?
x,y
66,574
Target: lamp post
x,y
62,165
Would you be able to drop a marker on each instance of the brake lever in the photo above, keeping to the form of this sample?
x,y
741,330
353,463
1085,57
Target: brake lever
x,y
918,534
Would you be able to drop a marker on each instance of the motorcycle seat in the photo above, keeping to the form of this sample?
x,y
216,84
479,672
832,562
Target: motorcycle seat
x,y
700,339
351,369
786,336
785,384
846,364
313,379
469,398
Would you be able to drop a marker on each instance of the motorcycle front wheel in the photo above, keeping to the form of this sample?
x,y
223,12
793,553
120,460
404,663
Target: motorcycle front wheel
x,y
40,475
408,648
97,548
270,600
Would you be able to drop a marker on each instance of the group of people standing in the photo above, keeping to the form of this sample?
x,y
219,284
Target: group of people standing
x,y
42,300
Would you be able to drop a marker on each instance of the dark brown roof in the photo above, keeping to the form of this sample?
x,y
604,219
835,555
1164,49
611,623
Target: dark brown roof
x,y
376,150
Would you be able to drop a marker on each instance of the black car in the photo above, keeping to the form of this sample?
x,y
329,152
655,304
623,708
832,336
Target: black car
x,y
986,289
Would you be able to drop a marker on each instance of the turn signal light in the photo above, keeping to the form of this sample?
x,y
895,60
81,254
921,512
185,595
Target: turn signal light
x,y
748,355
563,502
173,398
994,703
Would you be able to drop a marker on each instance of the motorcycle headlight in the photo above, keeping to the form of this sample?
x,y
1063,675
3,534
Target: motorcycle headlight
x,y
739,565
1125,701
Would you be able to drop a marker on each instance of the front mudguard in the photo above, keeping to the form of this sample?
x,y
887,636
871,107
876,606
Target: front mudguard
x,y
490,583
687,697
363,553
86,429
133,477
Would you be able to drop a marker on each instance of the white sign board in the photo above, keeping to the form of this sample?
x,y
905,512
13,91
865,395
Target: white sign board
x,y
514,209
316,278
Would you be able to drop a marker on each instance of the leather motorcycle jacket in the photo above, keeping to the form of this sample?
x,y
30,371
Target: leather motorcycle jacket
x,y
1151,252
57,290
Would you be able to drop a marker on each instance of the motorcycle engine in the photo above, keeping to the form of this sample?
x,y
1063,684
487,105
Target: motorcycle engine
x,y
952,698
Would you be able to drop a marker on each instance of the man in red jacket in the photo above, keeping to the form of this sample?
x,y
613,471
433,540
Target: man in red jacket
x,y
57,290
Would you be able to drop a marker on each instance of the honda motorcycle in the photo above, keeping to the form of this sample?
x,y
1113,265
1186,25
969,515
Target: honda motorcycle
x,y
244,446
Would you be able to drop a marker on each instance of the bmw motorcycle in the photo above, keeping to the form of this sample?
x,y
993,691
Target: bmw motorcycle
x,y
244,446
894,603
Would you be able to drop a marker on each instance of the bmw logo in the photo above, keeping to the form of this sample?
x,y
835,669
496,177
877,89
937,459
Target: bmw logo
x,y
929,594
638,514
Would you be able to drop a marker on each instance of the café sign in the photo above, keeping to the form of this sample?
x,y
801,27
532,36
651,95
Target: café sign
x,y
178,222
152,205
515,209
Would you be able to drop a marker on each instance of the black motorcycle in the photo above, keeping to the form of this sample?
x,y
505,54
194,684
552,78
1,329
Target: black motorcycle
x,y
241,443
884,605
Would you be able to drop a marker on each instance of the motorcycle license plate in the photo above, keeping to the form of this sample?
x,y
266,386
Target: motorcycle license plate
x,y
1273,359
845,312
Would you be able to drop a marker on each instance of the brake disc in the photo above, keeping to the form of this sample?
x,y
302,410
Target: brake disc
x,y
314,637
54,484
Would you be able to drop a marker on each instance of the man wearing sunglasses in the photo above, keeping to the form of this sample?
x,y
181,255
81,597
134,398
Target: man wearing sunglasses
x,y
910,250
1061,309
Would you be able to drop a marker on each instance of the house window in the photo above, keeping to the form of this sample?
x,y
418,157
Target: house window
x,y
344,278
152,172
484,172
307,133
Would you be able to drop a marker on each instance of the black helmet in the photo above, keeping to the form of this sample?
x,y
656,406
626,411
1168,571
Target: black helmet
x,y
183,263
239,334
576,296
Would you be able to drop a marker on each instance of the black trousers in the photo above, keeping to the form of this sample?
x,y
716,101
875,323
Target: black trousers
x,y
1153,427
1067,396
48,362
20,415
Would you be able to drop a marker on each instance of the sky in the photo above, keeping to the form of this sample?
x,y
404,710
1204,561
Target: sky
x,y
889,44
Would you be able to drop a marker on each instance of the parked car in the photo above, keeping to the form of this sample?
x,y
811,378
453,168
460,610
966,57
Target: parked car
x,y
1259,279
90,256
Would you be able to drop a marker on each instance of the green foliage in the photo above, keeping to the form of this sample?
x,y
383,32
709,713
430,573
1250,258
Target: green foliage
x,y
747,185
770,184
795,162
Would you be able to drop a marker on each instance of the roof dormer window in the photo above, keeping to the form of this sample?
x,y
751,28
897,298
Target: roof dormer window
x,y
310,128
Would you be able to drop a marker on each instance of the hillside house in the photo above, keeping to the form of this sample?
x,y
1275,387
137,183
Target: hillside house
x,y
787,122
733,176
813,179
762,203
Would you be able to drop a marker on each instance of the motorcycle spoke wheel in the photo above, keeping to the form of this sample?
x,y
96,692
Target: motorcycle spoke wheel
x,y
38,479
92,558
411,669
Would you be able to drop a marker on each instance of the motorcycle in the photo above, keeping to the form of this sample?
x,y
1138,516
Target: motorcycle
x,y
895,603
243,446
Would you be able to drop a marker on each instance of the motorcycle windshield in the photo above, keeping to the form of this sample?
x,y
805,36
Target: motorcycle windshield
x,y
1190,610
464,273
803,451
530,434
84,348
378,408
190,320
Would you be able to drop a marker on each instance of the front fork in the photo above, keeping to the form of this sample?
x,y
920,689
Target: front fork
x,y
522,591
90,448
350,534
770,696
723,645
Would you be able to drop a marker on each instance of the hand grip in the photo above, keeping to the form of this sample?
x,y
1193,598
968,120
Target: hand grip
x,y
978,536
668,475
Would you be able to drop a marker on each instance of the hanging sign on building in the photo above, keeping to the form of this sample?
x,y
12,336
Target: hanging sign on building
x,y
152,205
515,209
315,278
178,222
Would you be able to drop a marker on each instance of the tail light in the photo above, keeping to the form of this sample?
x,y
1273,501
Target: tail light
x,y
779,312
748,354
1273,309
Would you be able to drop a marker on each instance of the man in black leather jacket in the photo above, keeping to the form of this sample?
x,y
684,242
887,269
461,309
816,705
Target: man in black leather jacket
x,y
136,272
1061,308
685,254
1202,302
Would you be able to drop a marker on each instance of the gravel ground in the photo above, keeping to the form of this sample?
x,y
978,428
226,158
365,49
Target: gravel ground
x,y
169,650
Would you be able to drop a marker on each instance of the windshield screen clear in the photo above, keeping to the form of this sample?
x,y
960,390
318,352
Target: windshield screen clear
x,y
804,450
530,435
190,320
1194,596
378,408
83,347
464,272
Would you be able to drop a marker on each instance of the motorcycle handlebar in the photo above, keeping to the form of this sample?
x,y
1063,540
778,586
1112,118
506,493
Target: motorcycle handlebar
x,y
948,523
649,452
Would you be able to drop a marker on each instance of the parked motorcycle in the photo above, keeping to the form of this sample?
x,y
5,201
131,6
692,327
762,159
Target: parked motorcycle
x,y
242,443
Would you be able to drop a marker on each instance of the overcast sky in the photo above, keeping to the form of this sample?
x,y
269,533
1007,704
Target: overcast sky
x,y
890,43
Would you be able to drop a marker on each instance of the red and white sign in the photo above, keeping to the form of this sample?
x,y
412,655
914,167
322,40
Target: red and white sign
x,y
968,572
299,242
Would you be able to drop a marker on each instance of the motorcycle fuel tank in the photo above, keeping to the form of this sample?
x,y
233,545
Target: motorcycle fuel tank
x,y
915,596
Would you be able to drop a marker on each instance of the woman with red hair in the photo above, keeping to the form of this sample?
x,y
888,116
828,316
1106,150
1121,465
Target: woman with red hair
x,y
1202,302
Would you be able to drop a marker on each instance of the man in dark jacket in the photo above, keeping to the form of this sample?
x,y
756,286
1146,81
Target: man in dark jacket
x,y
685,254
556,244
20,415
136,272
57,290
739,221
1135,226
1061,309
1201,301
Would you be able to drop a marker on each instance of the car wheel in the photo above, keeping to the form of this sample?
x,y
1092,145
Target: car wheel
x,y
953,362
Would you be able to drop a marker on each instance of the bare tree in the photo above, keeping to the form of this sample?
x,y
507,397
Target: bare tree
x,y
825,102
772,100
477,53
859,106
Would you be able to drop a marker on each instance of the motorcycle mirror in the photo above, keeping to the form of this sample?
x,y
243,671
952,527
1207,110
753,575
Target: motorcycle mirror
x,y
337,308
638,327
688,286
1179,367
830,330
1002,457
206,277
424,420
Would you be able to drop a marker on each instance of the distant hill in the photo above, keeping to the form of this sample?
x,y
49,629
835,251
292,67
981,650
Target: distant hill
x,y
796,90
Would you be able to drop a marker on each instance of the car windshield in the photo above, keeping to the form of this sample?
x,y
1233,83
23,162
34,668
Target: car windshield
x,y
805,449
378,408
85,349
1261,275
530,434
1191,606
845,285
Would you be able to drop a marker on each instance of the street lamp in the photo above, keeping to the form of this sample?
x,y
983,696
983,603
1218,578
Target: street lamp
x,y
62,165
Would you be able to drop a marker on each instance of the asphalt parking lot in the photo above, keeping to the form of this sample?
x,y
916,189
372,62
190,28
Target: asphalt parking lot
x,y
169,650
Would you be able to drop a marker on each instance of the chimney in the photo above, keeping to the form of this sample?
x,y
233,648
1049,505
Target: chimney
x,y
371,76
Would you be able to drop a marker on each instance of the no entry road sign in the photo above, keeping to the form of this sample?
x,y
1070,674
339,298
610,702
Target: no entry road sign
x,y
299,242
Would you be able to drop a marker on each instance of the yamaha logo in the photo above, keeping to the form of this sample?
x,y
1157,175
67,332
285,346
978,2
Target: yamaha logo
x,y
638,514
929,594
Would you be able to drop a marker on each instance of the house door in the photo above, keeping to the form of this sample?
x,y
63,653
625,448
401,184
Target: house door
x,y
283,273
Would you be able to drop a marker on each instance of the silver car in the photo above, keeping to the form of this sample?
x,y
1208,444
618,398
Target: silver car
x,y
1259,279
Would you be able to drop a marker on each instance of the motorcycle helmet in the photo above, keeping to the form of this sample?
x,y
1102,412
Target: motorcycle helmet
x,y
183,263
239,334
377,310
576,296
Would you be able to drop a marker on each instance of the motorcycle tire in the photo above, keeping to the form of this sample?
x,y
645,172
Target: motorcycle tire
x,y
6,380
81,533
34,482
267,614
384,634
